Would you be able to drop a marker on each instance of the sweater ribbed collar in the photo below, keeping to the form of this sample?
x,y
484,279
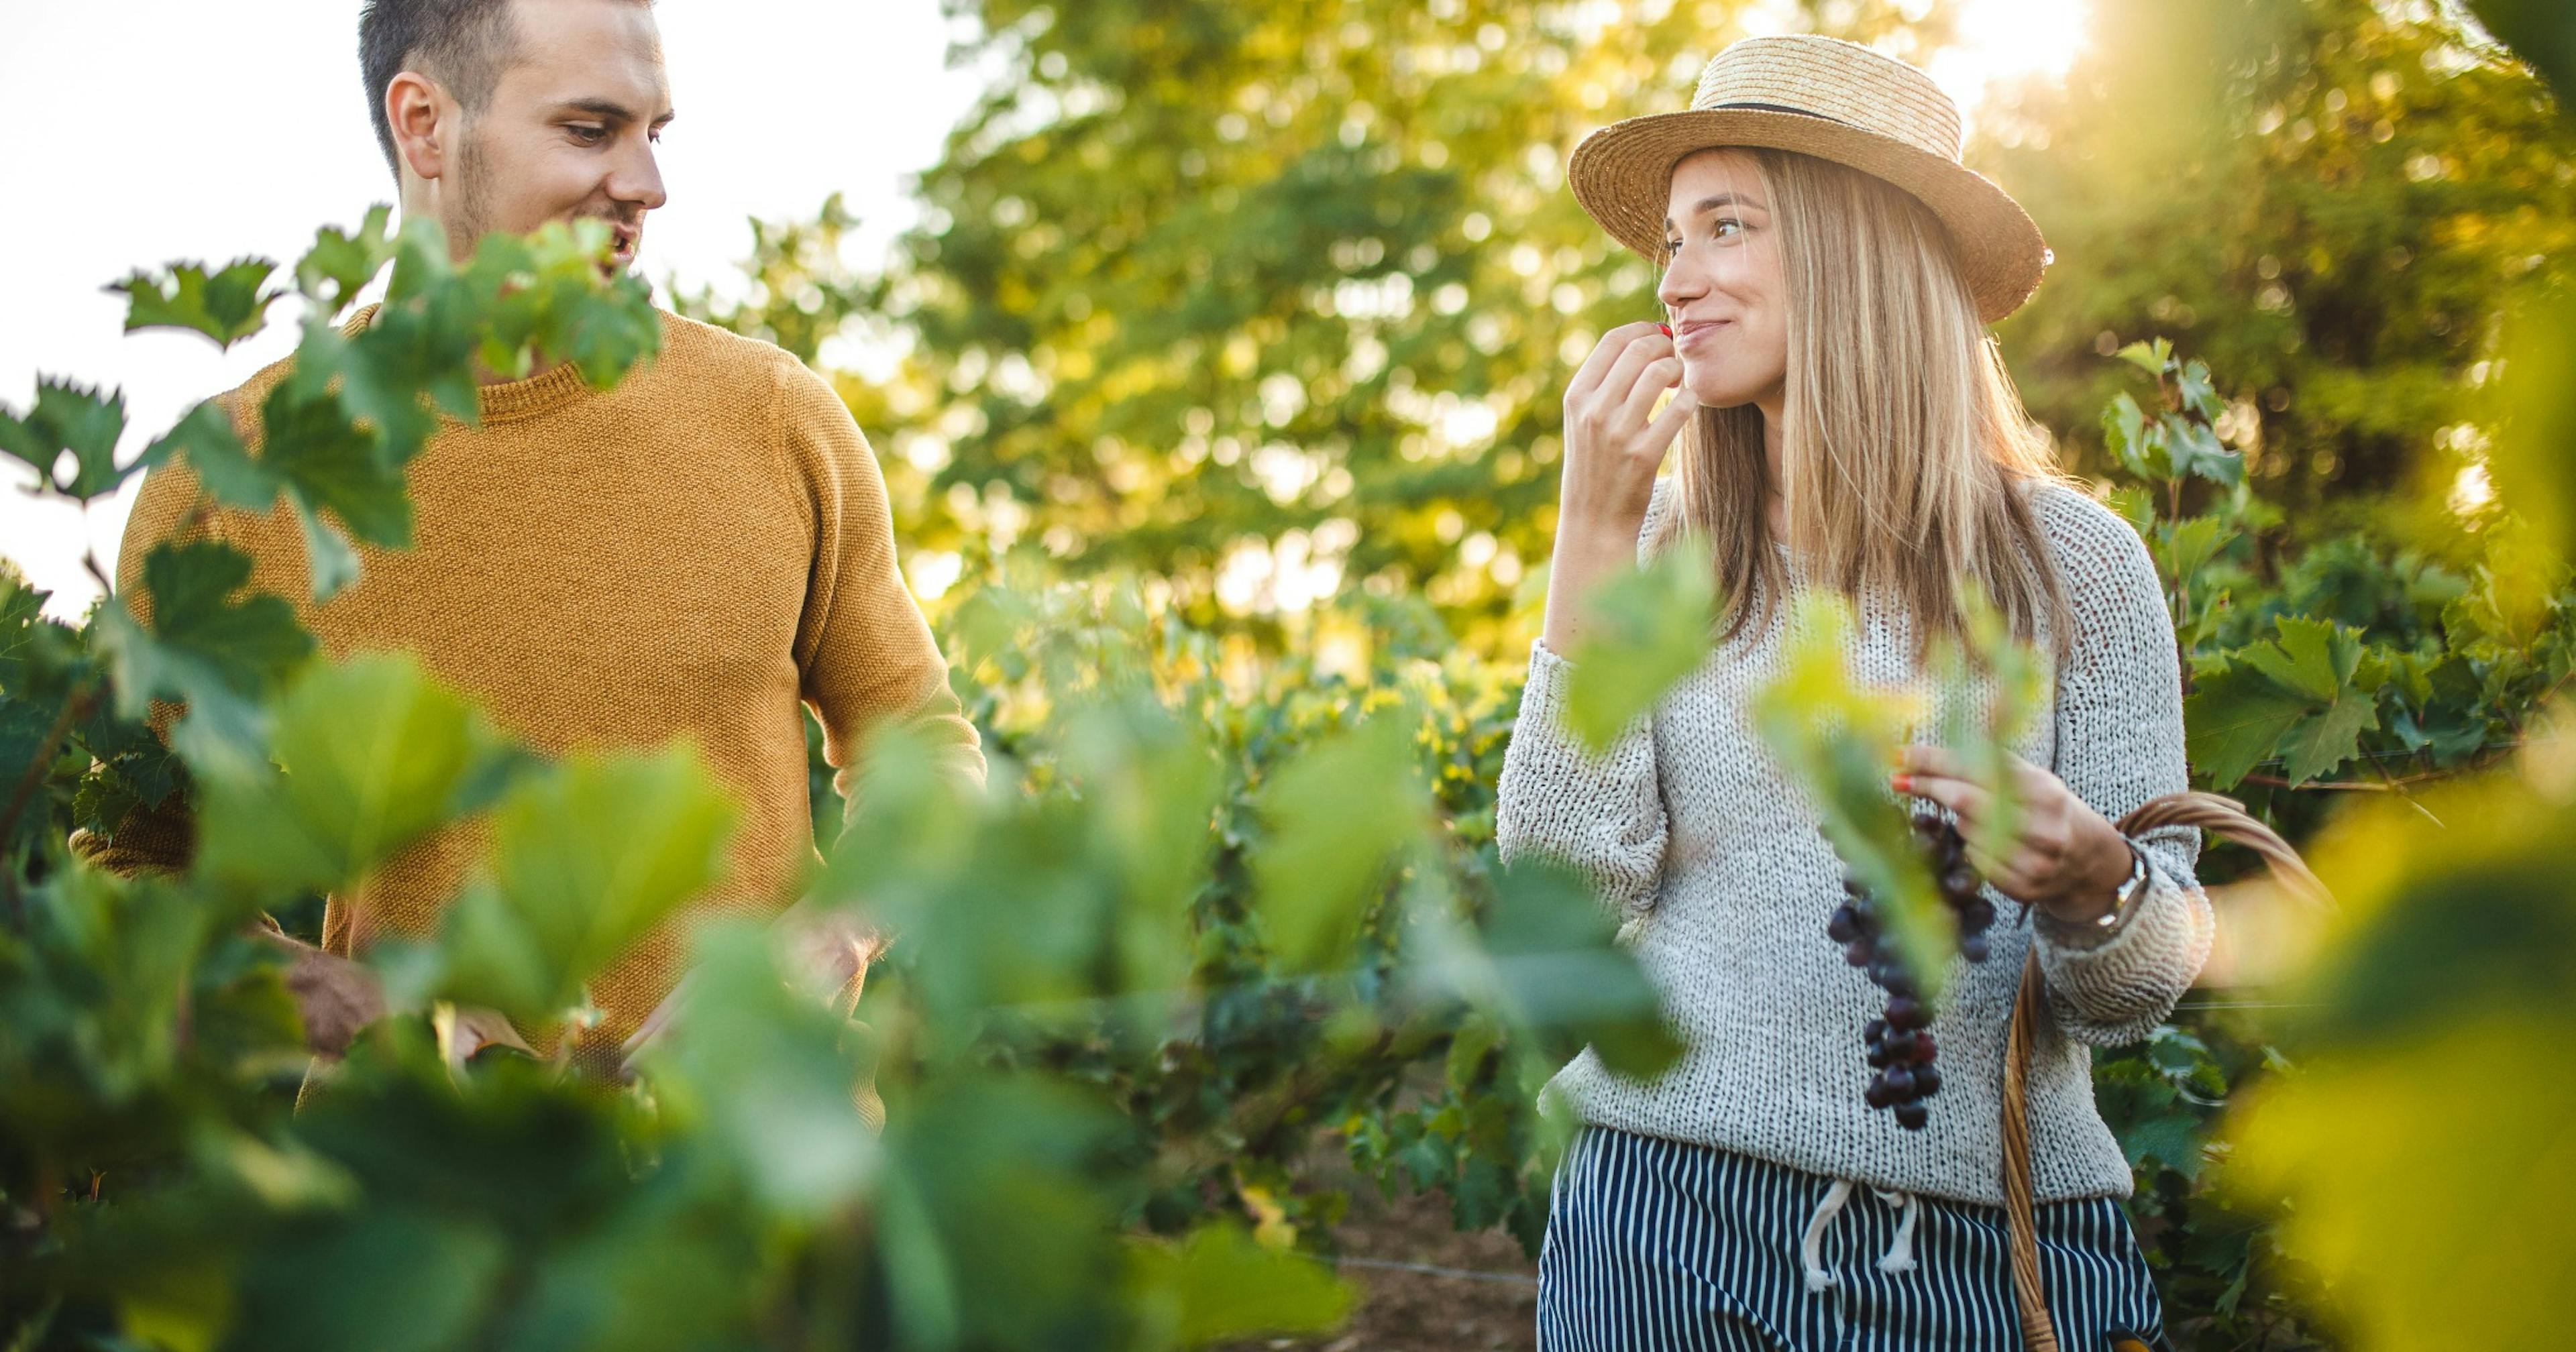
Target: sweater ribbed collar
x,y
508,399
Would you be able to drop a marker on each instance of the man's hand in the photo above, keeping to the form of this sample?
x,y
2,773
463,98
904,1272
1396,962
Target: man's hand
x,y
336,996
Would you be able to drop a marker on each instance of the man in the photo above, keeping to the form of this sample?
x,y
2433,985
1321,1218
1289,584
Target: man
x,y
690,555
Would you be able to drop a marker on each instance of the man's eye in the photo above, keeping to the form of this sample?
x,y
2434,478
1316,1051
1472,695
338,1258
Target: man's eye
x,y
589,136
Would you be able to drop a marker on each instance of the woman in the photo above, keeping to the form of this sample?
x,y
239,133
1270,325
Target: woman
x,y
1828,270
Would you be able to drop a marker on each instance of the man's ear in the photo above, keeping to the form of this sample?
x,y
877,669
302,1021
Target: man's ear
x,y
423,122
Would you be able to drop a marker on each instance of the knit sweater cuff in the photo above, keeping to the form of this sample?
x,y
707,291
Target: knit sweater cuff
x,y
1543,712
2117,986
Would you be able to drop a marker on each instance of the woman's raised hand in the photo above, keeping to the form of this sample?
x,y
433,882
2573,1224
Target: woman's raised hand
x,y
1614,443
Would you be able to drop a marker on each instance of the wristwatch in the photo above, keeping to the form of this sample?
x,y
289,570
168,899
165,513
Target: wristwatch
x,y
2131,888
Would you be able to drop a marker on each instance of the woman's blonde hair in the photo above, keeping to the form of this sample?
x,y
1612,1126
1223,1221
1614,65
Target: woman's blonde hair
x,y
1905,448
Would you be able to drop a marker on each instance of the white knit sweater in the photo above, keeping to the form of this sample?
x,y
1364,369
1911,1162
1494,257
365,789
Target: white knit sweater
x,y
1715,861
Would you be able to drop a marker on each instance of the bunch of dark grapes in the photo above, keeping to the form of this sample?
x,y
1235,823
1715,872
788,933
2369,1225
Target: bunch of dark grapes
x,y
1900,1042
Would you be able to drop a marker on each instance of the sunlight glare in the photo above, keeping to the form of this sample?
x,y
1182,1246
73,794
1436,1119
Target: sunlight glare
x,y
2008,40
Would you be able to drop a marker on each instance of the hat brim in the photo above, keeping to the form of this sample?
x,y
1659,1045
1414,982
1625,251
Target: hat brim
x,y
1623,174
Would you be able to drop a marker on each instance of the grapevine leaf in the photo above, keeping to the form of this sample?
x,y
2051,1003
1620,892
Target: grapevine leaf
x,y
2190,545
1838,738
1338,814
368,755
218,655
213,449
2199,394
2149,357
2124,426
768,1072
2327,740
1562,978
2315,658
327,552
1650,628
1219,1285
315,449
75,420
585,858
339,265
2234,719
227,305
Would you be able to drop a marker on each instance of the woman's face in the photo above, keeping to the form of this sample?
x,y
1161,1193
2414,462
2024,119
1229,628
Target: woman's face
x,y
1723,291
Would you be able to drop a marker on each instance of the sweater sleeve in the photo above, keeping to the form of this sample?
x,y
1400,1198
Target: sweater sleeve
x,y
1601,814
864,652
2119,744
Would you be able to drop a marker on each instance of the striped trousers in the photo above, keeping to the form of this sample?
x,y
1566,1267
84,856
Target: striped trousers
x,y
1656,1245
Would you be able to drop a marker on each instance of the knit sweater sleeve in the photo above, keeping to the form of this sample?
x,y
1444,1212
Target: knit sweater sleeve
x,y
1601,814
865,654
2119,744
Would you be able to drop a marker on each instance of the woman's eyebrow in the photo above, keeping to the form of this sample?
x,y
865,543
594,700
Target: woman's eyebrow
x,y
1724,199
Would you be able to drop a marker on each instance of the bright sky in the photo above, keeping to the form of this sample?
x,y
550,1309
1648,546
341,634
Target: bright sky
x,y
144,130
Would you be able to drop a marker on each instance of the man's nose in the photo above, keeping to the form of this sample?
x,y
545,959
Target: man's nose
x,y
638,181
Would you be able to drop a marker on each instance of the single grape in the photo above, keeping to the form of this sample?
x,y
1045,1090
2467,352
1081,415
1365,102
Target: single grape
x,y
1912,1116
1907,1012
1927,1080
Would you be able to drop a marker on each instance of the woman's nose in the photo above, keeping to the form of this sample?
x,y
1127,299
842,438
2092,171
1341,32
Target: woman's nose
x,y
1680,286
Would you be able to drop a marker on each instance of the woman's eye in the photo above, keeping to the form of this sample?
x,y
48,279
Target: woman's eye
x,y
589,136
1722,227
1672,246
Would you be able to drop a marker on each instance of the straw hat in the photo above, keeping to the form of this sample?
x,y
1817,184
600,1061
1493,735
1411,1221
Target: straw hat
x,y
1834,100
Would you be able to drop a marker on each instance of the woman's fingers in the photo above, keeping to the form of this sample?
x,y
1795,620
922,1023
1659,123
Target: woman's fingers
x,y
1668,424
1661,375
1606,354
1621,380
1965,800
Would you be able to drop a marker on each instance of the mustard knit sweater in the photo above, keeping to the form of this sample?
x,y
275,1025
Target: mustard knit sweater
x,y
689,555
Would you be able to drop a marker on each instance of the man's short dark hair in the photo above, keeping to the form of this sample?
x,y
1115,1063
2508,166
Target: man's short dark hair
x,y
465,45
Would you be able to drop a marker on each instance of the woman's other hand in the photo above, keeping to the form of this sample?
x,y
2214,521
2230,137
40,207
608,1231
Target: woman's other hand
x,y
2063,857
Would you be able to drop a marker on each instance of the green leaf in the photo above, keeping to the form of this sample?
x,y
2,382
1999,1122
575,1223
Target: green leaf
x,y
213,449
340,264
1560,976
369,755
75,420
2199,394
1338,815
2124,427
1219,1285
332,559
2313,657
2328,740
205,648
226,306
1651,626
768,1072
2149,357
315,449
2190,545
1838,738
2233,720
585,858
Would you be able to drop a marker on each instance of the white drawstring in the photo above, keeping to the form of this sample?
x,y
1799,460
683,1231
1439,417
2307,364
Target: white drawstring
x,y
1811,1247
1900,1254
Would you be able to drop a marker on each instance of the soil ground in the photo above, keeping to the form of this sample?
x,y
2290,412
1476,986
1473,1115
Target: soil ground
x,y
1405,1309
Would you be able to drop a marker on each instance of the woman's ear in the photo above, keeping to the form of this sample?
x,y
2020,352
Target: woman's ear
x,y
424,124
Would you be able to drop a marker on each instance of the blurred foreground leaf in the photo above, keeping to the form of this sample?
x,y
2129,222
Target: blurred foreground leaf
x,y
1651,626
585,857
1219,1284
369,755
1338,815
